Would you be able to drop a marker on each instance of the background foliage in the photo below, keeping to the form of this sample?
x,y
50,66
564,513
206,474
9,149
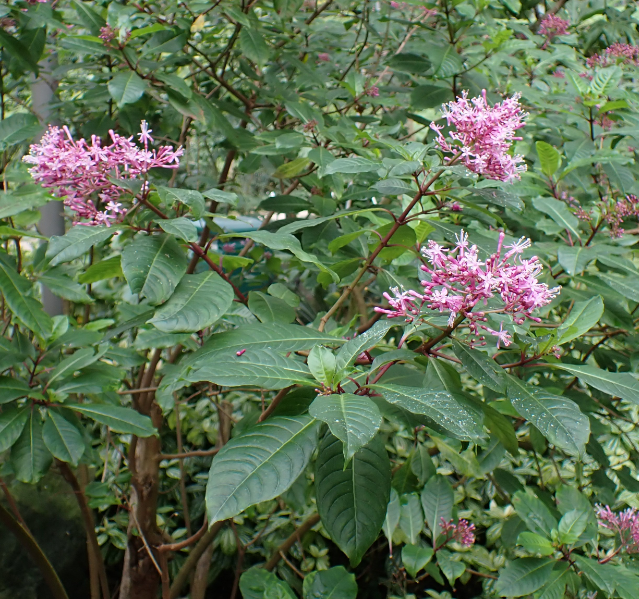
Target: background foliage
x,y
204,393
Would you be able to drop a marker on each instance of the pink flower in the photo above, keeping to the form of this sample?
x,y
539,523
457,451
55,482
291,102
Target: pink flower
x,y
455,207
108,34
323,57
463,532
373,91
458,283
483,135
614,54
553,25
615,212
625,524
81,173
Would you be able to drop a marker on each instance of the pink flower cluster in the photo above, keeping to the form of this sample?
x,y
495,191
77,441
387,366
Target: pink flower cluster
x,y
553,25
81,173
613,212
463,532
625,524
459,281
484,134
617,53
108,34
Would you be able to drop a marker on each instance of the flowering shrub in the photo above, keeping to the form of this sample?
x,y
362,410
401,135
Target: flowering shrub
x,y
319,300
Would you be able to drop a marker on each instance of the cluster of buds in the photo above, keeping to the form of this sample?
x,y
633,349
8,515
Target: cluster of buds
x,y
616,54
552,25
108,34
625,524
463,532
82,173
372,91
613,212
484,135
458,281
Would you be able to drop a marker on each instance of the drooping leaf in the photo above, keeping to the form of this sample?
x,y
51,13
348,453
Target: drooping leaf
x,y
549,158
259,464
127,87
349,352
153,266
439,406
535,543
12,388
354,419
76,242
62,439
354,165
197,302
270,309
559,212
482,368
352,500
411,518
583,316
415,558
29,456
557,418
182,227
437,501
603,576
321,363
12,421
117,418
17,290
256,583
534,513
254,46
75,362
189,197
617,384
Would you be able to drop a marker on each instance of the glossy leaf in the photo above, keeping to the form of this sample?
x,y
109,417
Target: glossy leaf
x,y
12,421
29,456
437,501
127,87
117,418
617,384
62,439
12,388
482,368
335,583
259,464
76,242
524,576
415,558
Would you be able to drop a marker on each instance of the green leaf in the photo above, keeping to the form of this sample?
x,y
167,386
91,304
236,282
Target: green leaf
x,y
181,227
555,586
603,576
12,421
18,51
556,418
335,583
415,558
259,464
75,362
354,165
117,418
524,576
482,368
437,501
12,388
16,290
440,407
255,367
291,169
62,439
64,286
559,212
574,259
349,352
153,266
452,568
198,302
77,241
534,513
571,526
549,158
409,63
534,543
127,88
29,456
221,197
617,384
605,80
583,316
105,269
270,309
91,19
321,363
193,199
627,286
354,419
253,46
352,499
429,96
411,518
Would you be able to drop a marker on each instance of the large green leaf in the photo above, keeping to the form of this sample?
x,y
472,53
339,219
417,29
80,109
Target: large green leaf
x,y
12,421
353,419
534,513
62,439
555,585
559,212
437,501
335,583
602,576
75,362
127,87
253,45
524,576
12,388
617,384
198,302
255,367
189,197
482,368
270,309
258,583
549,158
558,419
105,269
259,464
574,258
117,418
627,286
16,290
29,456
76,242
391,521
441,407
415,558
583,316
352,499
411,518
357,164
153,266
64,286
349,352
182,227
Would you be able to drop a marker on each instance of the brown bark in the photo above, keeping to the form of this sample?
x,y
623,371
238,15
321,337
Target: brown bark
x,y
201,576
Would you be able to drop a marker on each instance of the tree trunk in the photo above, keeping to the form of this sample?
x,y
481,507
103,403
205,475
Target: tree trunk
x,y
140,577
